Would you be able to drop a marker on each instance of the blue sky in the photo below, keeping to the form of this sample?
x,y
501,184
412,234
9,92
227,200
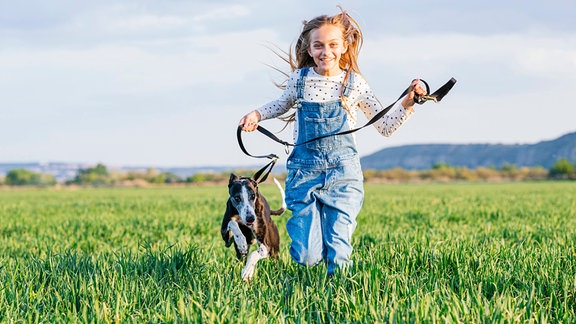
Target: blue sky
x,y
164,83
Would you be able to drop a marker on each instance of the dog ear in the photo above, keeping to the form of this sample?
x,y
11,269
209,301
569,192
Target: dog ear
x,y
254,183
233,178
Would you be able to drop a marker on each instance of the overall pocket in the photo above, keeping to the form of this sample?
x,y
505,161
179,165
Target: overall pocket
x,y
316,127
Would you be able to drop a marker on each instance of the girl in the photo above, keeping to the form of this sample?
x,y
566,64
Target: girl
x,y
324,185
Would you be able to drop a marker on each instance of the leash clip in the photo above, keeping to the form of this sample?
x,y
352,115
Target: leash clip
x,y
422,99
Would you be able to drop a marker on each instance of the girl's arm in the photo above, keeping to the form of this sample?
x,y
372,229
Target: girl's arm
x,y
395,118
273,108
281,105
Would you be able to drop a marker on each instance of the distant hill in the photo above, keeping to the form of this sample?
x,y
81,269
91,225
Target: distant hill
x,y
424,156
412,157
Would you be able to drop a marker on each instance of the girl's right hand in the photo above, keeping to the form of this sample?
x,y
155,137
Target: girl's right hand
x,y
414,89
249,122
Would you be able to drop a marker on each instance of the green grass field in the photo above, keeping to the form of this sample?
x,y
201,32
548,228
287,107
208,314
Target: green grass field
x,y
423,253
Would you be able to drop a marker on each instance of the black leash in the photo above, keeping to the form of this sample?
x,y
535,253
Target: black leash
x,y
259,173
272,157
436,97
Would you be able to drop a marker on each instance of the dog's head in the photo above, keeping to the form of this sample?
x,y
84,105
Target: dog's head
x,y
243,195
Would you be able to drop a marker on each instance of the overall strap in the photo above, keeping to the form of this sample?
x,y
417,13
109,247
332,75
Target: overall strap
x,y
348,86
301,83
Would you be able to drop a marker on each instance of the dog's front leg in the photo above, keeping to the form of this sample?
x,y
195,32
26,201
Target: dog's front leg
x,y
238,237
261,253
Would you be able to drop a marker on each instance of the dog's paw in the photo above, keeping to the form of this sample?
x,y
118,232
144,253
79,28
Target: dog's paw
x,y
247,273
241,245
239,239
242,249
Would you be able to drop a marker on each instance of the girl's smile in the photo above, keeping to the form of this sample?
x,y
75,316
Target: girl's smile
x,y
326,47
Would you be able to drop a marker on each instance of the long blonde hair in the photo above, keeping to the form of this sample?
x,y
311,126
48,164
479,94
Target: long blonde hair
x,y
352,36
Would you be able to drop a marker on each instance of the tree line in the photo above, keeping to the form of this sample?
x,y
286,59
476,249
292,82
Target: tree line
x,y
99,175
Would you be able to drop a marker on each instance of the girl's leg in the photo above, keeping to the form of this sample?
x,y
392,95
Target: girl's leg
x,y
304,227
341,204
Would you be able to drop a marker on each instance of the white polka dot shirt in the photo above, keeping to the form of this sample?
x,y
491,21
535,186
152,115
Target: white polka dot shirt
x,y
320,88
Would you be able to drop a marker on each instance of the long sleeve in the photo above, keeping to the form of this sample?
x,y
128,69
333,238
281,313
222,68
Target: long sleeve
x,y
281,105
364,97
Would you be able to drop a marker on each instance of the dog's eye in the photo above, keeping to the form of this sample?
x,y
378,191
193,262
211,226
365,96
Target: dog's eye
x,y
237,199
252,196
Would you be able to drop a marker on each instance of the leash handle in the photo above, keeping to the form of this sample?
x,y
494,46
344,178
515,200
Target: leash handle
x,y
443,90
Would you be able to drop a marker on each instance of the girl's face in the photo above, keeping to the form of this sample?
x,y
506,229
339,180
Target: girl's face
x,y
326,47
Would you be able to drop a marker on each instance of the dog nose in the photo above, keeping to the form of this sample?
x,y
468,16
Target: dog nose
x,y
250,219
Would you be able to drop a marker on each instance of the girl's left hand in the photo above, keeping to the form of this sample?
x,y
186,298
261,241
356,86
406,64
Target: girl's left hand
x,y
415,89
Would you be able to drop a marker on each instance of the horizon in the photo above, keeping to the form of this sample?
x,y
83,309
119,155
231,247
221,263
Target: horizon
x,y
255,164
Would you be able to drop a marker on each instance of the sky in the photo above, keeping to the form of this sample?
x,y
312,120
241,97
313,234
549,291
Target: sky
x,y
164,83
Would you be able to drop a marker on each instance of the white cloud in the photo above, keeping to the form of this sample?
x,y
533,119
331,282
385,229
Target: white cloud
x,y
142,67
554,63
485,65
144,22
523,51
128,19
221,13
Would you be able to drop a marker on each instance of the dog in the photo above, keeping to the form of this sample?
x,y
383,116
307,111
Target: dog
x,y
247,221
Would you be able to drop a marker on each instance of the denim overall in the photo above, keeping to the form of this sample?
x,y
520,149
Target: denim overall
x,y
324,185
